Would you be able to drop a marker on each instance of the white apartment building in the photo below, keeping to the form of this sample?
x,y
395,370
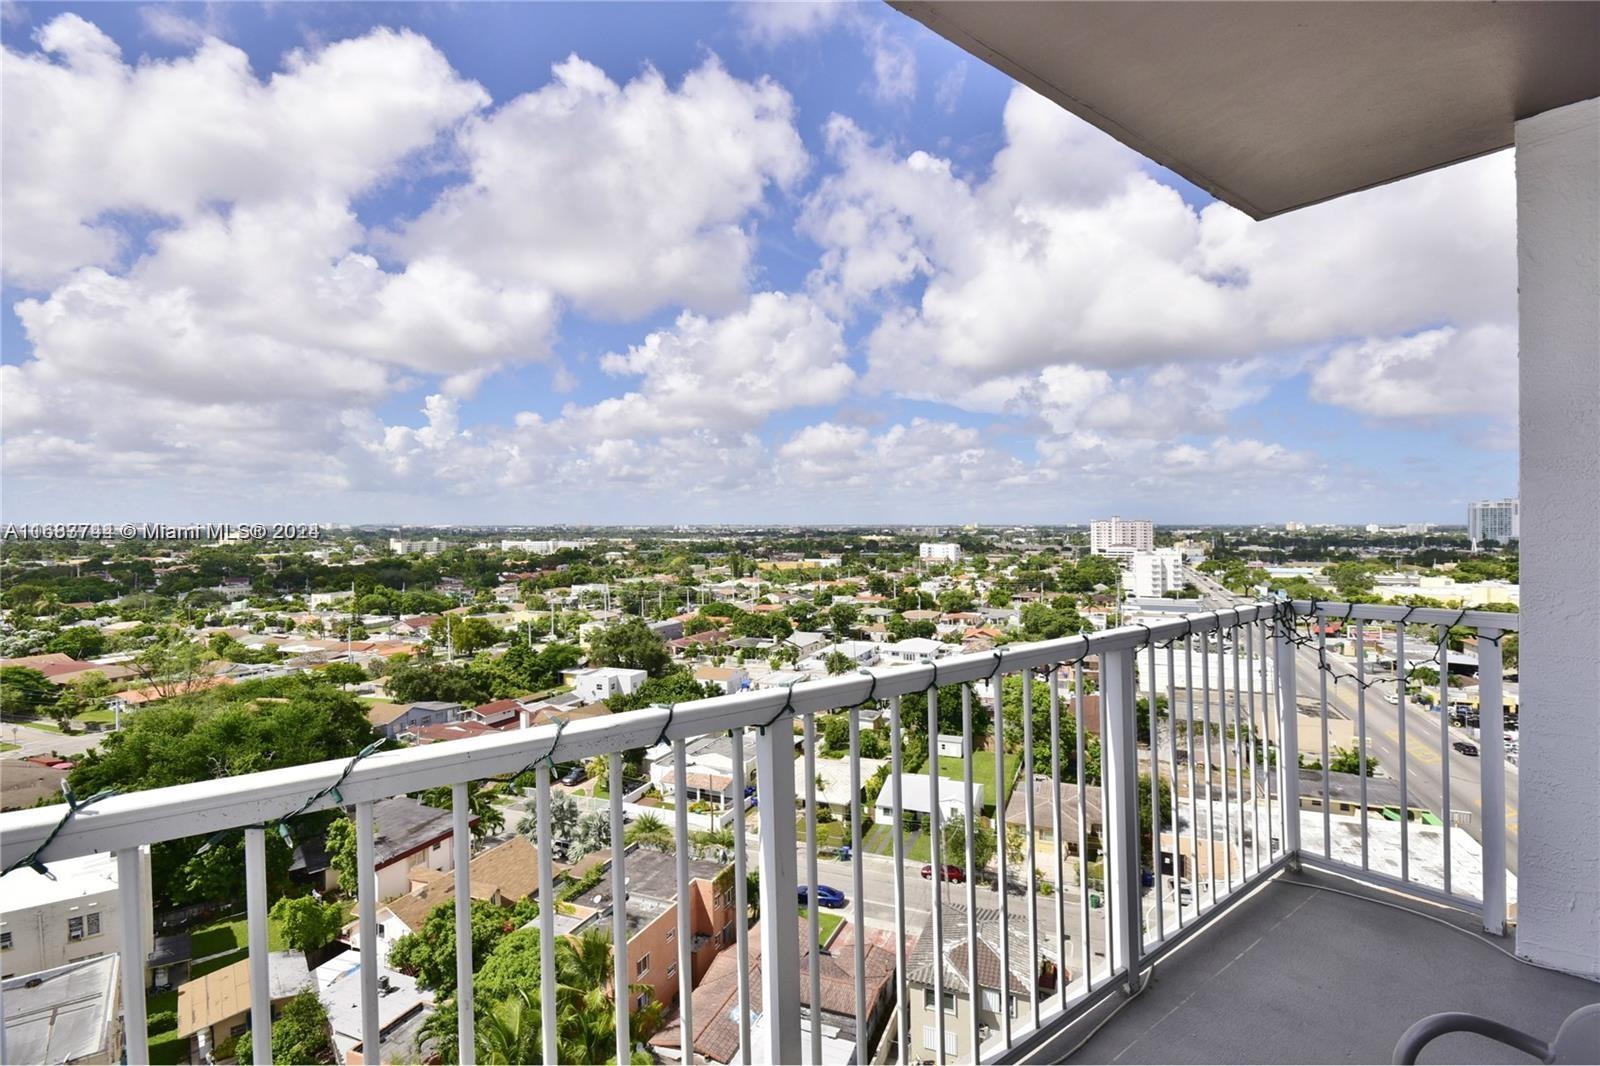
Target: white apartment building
x,y
1494,521
407,547
74,913
940,553
1156,573
1121,536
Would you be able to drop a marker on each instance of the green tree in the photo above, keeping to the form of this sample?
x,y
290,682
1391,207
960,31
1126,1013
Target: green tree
x,y
955,845
80,642
630,644
465,634
429,953
842,618
480,801
24,692
308,924
171,663
838,663
342,853
651,832
300,1034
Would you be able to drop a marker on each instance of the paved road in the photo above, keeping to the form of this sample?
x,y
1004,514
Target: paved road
x,y
32,741
1424,763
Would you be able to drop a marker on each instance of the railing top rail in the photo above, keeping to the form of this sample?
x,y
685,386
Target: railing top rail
x,y
1396,612
206,807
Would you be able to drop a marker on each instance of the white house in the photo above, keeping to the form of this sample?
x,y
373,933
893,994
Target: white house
x,y
916,797
952,745
859,652
726,678
599,683
805,642
913,650
74,913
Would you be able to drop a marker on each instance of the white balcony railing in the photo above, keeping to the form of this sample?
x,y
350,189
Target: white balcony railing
x,y
1232,742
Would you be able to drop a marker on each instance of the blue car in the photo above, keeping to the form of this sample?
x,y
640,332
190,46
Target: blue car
x,y
827,896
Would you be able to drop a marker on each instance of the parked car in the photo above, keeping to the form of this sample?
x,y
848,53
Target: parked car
x,y
951,873
1465,748
827,896
574,776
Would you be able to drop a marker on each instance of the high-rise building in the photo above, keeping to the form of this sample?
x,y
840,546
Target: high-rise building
x,y
1156,573
1121,536
940,553
1494,521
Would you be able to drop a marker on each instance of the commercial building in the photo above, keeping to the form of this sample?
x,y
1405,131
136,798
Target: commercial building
x,y
407,547
1156,573
1494,521
1121,536
940,553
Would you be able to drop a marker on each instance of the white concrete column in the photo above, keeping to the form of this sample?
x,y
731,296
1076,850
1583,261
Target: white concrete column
x,y
1558,263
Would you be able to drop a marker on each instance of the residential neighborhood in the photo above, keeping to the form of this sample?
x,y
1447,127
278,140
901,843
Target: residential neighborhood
x,y
463,639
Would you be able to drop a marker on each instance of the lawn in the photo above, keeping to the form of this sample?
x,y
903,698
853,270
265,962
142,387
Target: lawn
x,y
982,774
8,746
99,714
827,922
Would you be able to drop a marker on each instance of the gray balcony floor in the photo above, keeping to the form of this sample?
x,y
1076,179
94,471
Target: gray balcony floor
x,y
1295,974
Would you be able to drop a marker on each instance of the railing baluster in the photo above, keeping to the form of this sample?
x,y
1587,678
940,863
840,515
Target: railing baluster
x,y
813,925
461,844
1241,781
547,916
1087,950
1492,780
936,884
1288,734
1155,791
1444,747
1120,774
1002,861
680,817
255,893
970,818
1194,802
1055,827
1401,674
897,769
621,965
1322,689
131,904
780,942
1205,743
741,896
1172,763
1029,818
858,888
1248,740
1222,744
1269,755
367,908
1361,730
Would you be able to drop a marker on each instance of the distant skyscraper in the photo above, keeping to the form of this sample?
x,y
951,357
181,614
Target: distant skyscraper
x,y
1494,521
1121,537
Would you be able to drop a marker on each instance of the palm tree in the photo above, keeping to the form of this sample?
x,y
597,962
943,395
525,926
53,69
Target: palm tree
x,y
598,768
509,1033
650,832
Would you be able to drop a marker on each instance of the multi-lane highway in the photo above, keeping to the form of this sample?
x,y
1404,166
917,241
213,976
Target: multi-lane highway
x,y
1427,753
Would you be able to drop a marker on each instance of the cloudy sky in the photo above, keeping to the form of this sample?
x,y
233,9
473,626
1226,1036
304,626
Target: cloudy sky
x,y
685,262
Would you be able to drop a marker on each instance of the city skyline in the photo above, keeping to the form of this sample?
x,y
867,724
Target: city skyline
x,y
855,299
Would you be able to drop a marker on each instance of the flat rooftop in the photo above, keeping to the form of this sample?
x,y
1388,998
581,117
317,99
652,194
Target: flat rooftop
x,y
62,1015
1338,970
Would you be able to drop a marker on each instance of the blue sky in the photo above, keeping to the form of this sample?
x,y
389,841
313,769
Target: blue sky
x,y
692,262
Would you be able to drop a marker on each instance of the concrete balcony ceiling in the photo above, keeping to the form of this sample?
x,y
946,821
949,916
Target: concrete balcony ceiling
x,y
1271,107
